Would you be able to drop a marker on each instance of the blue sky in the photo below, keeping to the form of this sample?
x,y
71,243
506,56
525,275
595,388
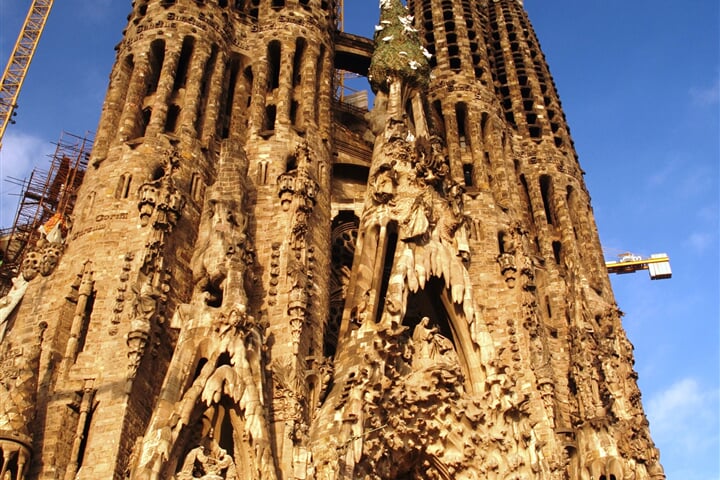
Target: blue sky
x,y
639,82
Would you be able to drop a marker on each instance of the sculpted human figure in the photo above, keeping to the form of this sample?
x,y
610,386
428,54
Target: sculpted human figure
x,y
384,184
209,462
223,239
10,301
417,224
432,348
146,300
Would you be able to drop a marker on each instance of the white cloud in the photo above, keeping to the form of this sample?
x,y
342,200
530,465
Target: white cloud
x,y
699,242
684,418
706,96
19,155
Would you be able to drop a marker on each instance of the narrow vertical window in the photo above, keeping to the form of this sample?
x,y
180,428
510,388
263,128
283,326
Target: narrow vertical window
x,y
557,252
144,121
205,87
468,174
123,186
273,58
437,119
294,107
157,57
319,71
172,118
300,46
229,97
270,113
390,247
184,64
526,197
461,120
501,242
546,192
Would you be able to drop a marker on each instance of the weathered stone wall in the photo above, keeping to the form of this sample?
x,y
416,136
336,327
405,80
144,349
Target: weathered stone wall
x,y
260,282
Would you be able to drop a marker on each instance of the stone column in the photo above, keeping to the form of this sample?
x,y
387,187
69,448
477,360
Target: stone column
x,y
212,107
133,101
163,95
187,123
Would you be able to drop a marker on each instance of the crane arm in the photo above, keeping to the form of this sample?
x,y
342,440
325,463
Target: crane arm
x,y
20,59
658,264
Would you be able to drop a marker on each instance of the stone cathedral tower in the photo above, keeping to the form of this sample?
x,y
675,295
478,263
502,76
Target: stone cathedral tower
x,y
262,281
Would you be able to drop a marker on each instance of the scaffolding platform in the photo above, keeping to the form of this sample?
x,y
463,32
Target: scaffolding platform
x,y
44,195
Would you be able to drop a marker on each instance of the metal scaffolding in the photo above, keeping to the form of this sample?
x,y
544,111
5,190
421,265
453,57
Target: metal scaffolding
x,y
45,195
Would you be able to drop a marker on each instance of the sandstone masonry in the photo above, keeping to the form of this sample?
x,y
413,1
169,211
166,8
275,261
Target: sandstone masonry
x,y
264,282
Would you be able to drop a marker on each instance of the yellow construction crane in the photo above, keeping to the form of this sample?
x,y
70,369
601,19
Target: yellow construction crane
x,y
20,59
658,265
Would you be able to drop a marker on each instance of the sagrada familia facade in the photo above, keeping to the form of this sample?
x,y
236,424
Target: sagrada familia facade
x,y
262,279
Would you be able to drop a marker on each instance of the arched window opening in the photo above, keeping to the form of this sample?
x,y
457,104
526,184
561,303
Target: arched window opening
x,y
273,58
461,116
294,107
205,87
184,63
435,336
319,71
254,9
229,96
437,119
300,47
172,118
425,303
144,121
123,186
409,114
388,262
468,174
157,57
270,114
557,252
546,193
526,197
571,202
501,242
82,336
343,241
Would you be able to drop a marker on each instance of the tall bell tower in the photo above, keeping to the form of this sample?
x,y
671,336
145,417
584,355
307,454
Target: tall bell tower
x,y
262,279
